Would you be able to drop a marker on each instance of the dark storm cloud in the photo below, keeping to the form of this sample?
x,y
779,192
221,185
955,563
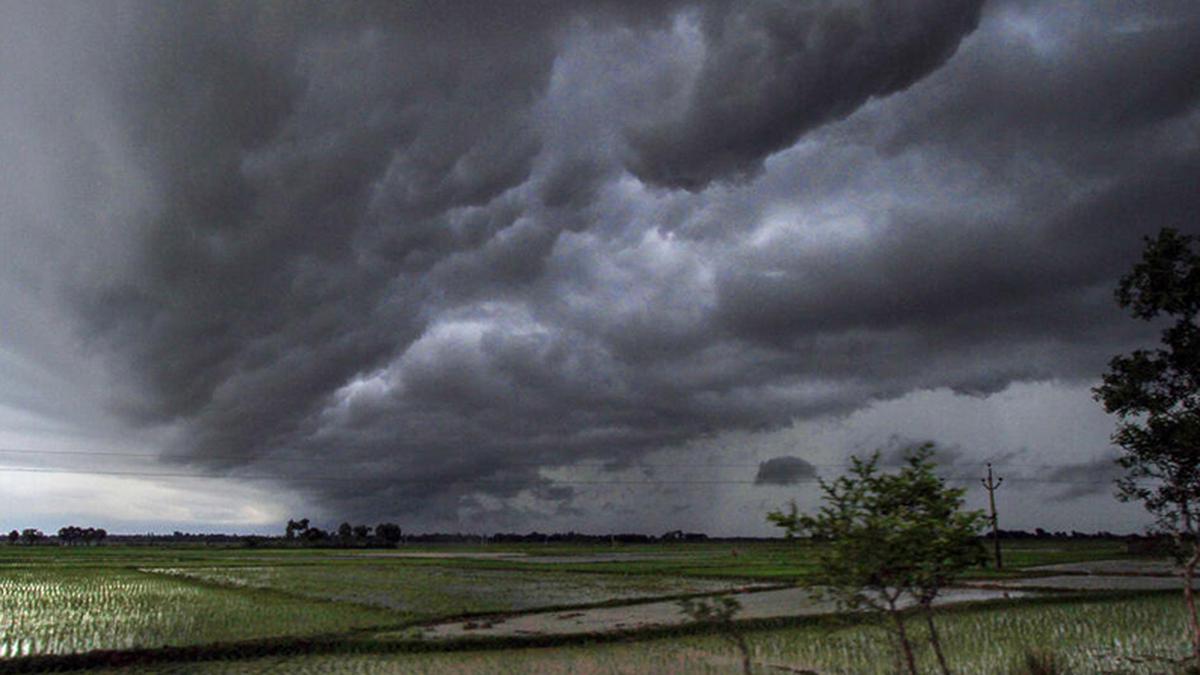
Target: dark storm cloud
x,y
784,471
435,249
774,70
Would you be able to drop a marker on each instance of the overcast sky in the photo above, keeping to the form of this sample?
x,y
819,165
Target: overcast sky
x,y
572,265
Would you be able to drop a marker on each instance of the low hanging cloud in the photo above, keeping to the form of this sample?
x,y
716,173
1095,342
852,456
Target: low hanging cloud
x,y
1085,479
784,471
409,259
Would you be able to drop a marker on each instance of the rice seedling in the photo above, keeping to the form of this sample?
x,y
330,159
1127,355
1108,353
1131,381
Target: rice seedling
x,y
60,611
1133,636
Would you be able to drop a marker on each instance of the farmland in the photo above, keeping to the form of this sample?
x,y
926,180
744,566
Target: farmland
x,y
333,610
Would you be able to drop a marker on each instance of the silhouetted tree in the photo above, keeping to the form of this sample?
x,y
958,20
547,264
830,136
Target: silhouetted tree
x,y
1156,396
31,535
69,535
390,533
13,537
295,527
362,532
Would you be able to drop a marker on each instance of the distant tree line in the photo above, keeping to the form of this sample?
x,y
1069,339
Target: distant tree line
x,y
1039,533
390,534
70,535
582,538
73,535
346,535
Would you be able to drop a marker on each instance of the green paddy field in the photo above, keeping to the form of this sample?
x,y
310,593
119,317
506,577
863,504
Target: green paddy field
x,y
232,610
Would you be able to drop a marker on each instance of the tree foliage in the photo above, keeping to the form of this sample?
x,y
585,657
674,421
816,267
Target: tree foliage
x,y
1155,394
890,539
390,533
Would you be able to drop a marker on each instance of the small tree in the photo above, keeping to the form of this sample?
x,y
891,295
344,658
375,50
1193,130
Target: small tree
x,y
884,537
1155,395
948,537
721,613
31,535
362,532
13,536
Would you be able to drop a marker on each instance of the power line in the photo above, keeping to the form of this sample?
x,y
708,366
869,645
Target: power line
x,y
599,463
543,481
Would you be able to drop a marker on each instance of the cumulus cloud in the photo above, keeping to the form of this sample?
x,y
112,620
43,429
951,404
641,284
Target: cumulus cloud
x,y
410,259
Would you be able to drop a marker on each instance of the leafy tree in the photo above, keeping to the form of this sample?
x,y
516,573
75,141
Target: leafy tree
x,y
1155,395
31,535
314,535
295,527
345,532
362,532
13,536
70,534
948,536
720,612
390,533
890,539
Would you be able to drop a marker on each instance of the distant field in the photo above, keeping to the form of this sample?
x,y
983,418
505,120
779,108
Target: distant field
x,y
432,592
231,602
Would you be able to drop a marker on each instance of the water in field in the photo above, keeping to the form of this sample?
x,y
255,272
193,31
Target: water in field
x,y
441,591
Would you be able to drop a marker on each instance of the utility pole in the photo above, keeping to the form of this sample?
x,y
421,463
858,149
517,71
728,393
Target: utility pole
x,y
991,486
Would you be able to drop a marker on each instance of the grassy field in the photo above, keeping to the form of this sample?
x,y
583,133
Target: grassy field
x,y
324,610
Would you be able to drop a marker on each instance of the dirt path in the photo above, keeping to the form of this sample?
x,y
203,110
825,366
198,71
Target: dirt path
x,y
785,602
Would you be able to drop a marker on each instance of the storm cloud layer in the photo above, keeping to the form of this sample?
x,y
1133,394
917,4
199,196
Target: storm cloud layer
x,y
406,258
